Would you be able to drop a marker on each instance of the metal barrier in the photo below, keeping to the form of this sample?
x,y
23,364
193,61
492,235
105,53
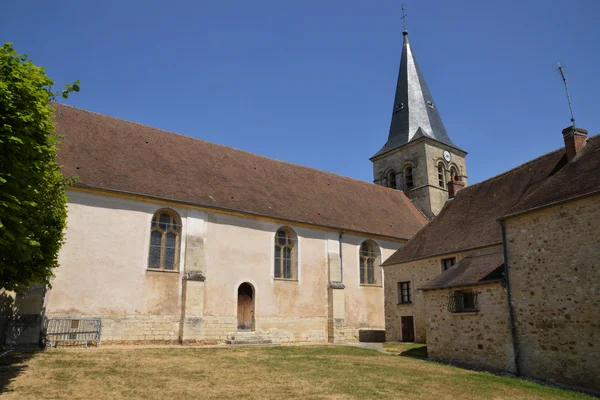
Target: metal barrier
x,y
72,330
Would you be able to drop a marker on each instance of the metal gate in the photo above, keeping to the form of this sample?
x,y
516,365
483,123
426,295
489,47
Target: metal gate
x,y
75,331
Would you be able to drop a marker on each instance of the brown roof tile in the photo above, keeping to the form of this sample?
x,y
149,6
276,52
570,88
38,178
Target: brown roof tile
x,y
470,270
578,177
113,154
470,219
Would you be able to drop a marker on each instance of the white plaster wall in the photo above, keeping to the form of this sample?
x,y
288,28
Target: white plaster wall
x,y
364,303
103,263
104,272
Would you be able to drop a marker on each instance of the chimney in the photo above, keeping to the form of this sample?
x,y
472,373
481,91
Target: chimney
x,y
454,187
574,140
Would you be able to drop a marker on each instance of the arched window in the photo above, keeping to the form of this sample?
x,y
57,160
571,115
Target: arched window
x,y
369,260
441,175
454,174
286,254
165,237
408,178
392,180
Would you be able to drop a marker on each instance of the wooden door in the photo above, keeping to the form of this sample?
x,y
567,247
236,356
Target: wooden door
x,y
245,308
408,329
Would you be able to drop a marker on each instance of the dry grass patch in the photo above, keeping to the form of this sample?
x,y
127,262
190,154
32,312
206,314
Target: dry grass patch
x,y
319,372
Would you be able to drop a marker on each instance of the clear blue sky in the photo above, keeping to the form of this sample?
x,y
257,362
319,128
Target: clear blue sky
x,y
312,82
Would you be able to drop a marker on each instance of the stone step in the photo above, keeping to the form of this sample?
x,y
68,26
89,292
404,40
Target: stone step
x,y
249,342
248,336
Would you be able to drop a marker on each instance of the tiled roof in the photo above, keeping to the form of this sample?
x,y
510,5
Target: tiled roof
x,y
470,270
469,220
113,154
578,177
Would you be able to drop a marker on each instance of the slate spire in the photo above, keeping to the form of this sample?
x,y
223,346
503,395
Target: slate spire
x,y
414,114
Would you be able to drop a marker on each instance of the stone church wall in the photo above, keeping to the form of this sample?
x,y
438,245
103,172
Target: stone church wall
x,y
554,272
418,273
479,339
103,273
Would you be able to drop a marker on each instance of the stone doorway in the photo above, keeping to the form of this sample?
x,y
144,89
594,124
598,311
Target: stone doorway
x,y
245,309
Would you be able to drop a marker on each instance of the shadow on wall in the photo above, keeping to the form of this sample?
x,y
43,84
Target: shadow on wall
x,y
21,316
11,366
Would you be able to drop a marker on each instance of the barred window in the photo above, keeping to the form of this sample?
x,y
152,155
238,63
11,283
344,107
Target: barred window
x,y
408,178
369,264
404,293
392,180
286,254
165,236
463,301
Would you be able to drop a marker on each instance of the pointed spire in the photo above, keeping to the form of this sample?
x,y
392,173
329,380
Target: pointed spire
x,y
414,113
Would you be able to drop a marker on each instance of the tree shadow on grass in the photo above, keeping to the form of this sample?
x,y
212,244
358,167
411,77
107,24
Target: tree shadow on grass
x,y
11,366
415,352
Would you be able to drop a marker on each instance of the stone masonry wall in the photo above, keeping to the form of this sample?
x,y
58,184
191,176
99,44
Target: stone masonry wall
x,y
554,272
135,328
424,157
418,273
480,339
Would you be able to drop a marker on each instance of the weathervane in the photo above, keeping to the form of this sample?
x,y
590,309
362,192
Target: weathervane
x,y
562,73
404,18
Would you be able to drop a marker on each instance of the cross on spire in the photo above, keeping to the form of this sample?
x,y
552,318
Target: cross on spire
x,y
414,114
404,18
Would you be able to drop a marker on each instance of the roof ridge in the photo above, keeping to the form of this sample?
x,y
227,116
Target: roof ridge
x,y
511,170
240,150
590,138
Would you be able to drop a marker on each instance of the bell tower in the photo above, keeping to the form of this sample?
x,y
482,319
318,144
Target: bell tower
x,y
418,157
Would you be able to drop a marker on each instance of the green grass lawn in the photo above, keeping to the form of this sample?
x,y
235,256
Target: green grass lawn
x,y
415,350
309,372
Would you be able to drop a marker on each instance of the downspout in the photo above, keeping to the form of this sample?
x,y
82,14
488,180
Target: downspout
x,y
341,263
511,313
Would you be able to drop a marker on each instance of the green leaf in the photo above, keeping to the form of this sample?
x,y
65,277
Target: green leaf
x,y
32,197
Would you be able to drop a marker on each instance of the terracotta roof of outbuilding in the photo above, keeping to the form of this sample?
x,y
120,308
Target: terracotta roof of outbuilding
x,y
471,270
578,177
117,155
470,219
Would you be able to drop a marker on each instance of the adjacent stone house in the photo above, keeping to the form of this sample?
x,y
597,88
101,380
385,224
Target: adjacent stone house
x,y
521,293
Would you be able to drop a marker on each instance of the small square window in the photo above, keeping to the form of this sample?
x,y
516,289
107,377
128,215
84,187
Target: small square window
x,y
447,263
404,293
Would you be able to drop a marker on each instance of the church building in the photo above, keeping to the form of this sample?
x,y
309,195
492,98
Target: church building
x,y
174,239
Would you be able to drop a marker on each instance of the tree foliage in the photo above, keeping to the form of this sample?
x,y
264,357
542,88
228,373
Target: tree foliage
x,y
32,188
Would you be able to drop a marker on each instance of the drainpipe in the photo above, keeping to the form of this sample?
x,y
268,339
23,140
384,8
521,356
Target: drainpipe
x,y
341,261
511,312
